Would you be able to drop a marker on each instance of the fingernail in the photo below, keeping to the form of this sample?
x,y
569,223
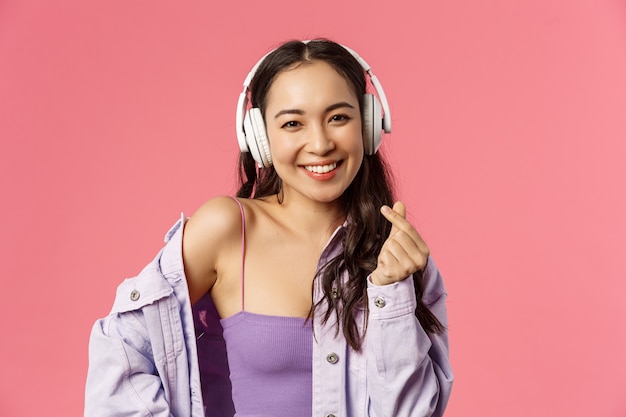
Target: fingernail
x,y
385,209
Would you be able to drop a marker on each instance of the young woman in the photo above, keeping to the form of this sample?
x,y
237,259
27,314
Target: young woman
x,y
329,302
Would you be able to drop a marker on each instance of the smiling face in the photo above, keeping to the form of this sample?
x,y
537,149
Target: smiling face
x,y
314,129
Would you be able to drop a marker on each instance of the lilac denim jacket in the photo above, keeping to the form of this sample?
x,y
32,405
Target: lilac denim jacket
x,y
143,357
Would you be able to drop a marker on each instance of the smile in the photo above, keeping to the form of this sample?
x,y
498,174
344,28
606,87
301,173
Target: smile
x,y
321,169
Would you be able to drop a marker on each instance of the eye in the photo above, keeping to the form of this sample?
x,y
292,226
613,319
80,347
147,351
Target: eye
x,y
290,124
340,118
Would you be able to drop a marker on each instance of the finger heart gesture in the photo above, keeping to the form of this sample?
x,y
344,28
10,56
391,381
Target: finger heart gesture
x,y
403,253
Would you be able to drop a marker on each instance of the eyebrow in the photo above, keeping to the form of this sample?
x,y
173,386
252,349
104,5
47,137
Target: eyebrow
x,y
330,108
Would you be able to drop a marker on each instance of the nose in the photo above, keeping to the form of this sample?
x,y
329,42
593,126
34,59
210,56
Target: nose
x,y
320,141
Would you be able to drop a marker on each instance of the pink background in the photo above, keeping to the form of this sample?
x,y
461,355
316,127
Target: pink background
x,y
509,143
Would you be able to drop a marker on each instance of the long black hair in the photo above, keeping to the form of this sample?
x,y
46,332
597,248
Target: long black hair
x,y
366,229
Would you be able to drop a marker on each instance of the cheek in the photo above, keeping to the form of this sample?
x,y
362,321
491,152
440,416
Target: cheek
x,y
356,144
280,148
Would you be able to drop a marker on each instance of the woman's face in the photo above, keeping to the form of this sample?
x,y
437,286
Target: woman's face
x,y
314,129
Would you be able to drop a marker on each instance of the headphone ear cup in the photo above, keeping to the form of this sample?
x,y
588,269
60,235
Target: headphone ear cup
x,y
250,139
372,124
256,137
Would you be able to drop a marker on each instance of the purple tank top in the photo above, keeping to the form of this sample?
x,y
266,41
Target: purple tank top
x,y
270,360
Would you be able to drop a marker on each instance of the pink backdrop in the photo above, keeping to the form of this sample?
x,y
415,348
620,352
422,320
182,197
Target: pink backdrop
x,y
508,144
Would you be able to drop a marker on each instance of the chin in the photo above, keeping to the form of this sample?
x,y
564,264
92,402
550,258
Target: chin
x,y
327,197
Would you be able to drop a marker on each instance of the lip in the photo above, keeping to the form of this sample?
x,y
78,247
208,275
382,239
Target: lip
x,y
322,176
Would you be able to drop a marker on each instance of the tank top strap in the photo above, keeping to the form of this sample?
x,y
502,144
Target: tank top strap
x,y
243,249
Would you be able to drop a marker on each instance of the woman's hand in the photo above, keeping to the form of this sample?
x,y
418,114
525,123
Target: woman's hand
x,y
403,253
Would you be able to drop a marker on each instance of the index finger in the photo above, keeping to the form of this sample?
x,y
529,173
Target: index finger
x,y
397,216
399,223
400,208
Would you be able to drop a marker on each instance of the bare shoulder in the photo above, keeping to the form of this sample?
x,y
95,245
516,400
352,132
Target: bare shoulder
x,y
220,219
219,215
213,228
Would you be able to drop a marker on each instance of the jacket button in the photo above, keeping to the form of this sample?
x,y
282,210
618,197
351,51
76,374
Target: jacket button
x,y
134,295
330,415
379,302
332,358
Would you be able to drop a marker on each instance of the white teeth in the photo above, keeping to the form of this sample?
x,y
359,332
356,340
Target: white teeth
x,y
321,169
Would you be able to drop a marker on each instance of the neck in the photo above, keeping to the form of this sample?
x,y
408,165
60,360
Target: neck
x,y
312,218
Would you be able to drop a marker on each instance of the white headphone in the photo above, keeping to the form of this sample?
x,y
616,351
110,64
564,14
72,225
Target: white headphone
x,y
252,136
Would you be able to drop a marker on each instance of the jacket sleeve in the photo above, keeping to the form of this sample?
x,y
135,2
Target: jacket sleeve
x,y
122,379
409,373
